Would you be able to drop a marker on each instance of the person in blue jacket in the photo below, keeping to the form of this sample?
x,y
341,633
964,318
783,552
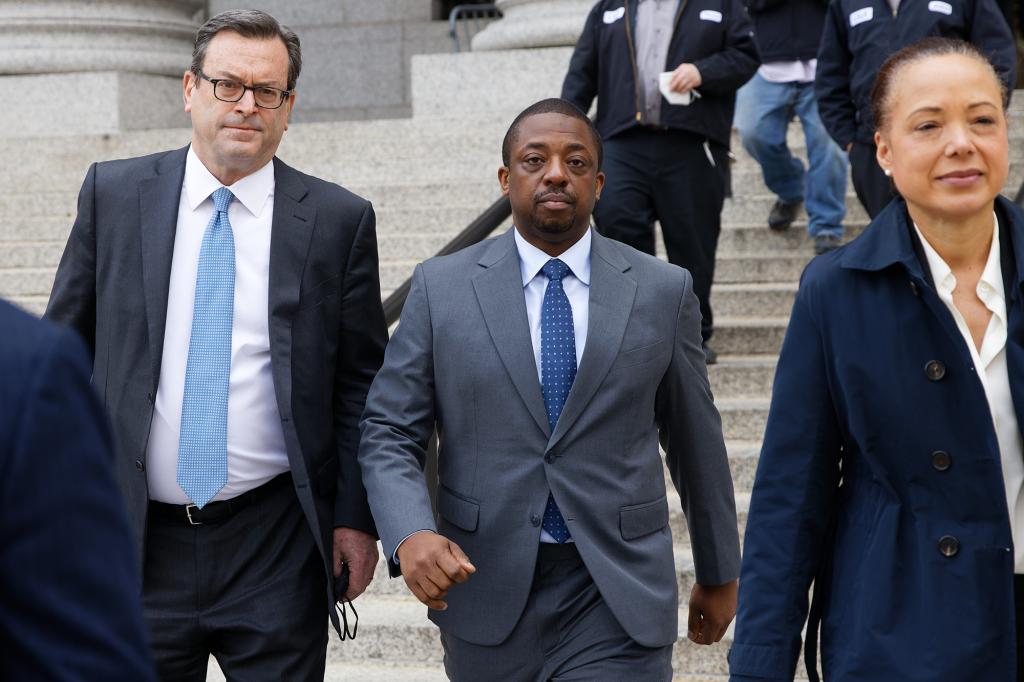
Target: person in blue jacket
x,y
859,35
665,160
70,604
892,467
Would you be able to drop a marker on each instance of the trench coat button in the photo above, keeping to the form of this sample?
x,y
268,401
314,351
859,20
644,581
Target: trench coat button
x,y
139,465
934,370
941,460
949,546
535,520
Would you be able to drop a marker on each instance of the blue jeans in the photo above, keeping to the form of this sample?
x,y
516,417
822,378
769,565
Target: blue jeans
x,y
763,113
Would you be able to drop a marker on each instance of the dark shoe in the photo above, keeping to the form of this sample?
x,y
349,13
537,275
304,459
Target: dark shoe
x,y
824,243
783,214
710,356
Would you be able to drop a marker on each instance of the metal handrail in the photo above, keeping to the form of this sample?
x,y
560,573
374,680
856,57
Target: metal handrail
x,y
463,14
478,230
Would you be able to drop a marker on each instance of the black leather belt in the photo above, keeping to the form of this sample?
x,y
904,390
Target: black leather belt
x,y
214,512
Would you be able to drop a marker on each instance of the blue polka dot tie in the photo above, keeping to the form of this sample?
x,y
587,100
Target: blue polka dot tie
x,y
203,448
557,367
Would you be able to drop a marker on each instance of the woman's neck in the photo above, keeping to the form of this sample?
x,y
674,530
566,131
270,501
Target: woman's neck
x,y
964,244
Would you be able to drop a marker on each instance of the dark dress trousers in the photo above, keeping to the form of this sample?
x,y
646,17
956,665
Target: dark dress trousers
x,y
326,326
69,603
912,556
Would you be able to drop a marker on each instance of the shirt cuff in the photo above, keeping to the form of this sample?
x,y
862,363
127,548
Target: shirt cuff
x,y
394,556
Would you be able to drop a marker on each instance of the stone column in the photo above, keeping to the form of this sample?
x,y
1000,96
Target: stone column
x,y
83,66
534,23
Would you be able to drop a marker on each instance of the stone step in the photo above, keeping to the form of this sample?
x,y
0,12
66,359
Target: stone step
x,y
737,376
753,299
748,335
752,268
743,418
396,630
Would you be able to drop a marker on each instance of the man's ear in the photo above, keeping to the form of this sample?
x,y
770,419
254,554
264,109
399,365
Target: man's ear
x,y
503,180
188,84
598,186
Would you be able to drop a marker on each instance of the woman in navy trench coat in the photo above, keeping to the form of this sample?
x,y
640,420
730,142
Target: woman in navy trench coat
x,y
880,476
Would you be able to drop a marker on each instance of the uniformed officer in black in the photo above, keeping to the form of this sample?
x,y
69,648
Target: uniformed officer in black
x,y
859,35
663,161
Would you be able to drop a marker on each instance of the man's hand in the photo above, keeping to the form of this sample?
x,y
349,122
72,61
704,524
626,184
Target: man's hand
x,y
712,608
359,551
431,564
686,77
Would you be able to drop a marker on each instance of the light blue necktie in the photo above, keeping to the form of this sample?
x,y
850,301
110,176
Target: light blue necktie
x,y
203,448
557,367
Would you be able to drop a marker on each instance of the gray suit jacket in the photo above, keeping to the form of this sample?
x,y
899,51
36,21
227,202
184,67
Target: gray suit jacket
x,y
327,331
462,360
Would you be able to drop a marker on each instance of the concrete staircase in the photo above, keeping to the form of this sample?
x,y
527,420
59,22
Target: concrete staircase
x,y
428,177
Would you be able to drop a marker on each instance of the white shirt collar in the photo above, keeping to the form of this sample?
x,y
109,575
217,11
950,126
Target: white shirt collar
x,y
252,191
532,259
991,277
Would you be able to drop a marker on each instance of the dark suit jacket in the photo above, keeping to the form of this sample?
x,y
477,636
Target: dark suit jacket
x,y
68,606
327,331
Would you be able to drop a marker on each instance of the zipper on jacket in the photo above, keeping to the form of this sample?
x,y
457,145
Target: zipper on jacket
x,y
632,52
632,61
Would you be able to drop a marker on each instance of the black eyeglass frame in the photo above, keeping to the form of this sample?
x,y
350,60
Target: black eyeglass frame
x,y
215,81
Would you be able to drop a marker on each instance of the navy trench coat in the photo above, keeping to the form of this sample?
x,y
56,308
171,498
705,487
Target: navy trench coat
x,y
911,554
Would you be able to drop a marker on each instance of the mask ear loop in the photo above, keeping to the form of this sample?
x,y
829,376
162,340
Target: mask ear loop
x,y
346,633
340,587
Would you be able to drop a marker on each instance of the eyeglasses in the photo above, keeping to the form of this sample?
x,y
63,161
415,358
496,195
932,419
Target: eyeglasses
x,y
227,90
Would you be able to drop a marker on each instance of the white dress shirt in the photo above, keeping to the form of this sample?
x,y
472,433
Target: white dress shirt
x,y
256,449
576,285
992,370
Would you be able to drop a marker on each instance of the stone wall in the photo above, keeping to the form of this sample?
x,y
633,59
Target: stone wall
x,y
356,53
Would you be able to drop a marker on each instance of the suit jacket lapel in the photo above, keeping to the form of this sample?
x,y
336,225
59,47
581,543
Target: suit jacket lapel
x,y
159,196
611,301
290,236
499,290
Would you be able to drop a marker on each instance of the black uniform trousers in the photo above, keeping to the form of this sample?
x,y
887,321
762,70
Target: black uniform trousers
x,y
1018,598
677,178
247,588
873,187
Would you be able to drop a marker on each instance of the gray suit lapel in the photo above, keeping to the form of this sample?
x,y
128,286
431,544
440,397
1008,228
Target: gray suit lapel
x,y
499,290
159,196
611,301
290,235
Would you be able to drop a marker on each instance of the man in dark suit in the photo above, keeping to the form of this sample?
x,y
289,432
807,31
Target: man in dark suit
x,y
69,609
550,360
216,271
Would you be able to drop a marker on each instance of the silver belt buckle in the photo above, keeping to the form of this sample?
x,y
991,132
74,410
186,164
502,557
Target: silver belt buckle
x,y
188,513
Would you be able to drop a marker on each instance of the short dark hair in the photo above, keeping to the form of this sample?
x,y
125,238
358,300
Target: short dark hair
x,y
933,46
248,23
553,105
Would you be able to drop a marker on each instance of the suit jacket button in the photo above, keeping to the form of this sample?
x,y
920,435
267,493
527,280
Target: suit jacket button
x,y
149,398
941,460
535,520
949,546
934,370
139,465
549,458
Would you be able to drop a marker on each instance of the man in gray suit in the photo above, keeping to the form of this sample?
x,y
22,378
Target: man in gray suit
x,y
232,308
550,360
